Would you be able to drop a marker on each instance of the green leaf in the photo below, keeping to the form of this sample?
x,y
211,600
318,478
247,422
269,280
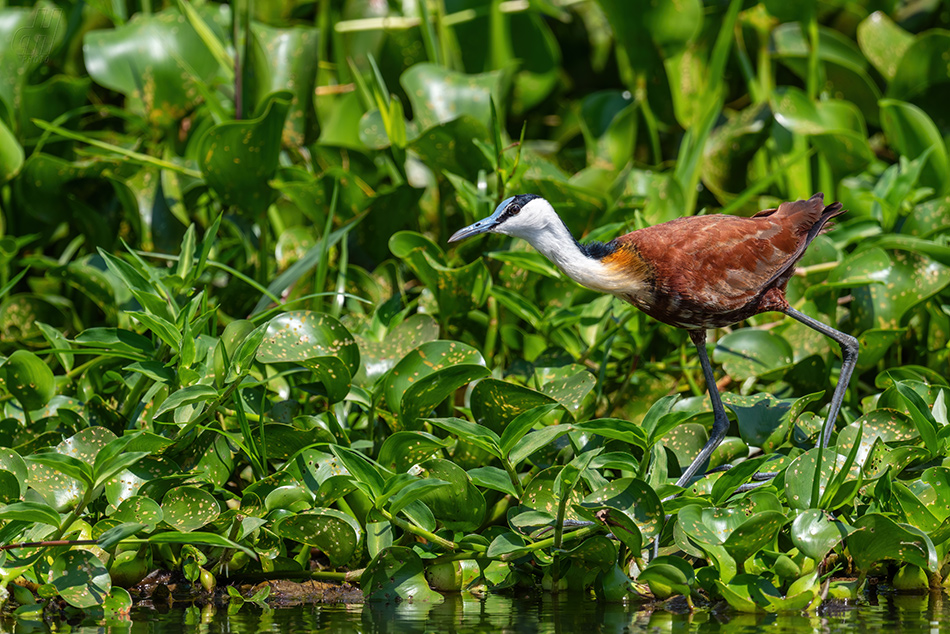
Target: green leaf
x,y
335,533
877,537
30,512
317,341
883,42
912,132
493,478
412,492
534,441
471,433
367,475
428,375
143,59
28,379
459,506
80,578
239,158
920,414
406,448
397,573
191,395
750,352
189,508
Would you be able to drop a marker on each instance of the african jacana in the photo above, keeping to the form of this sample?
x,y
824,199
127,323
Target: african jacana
x,y
694,273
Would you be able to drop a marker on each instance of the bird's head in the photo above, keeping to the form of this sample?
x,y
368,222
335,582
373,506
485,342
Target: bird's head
x,y
524,216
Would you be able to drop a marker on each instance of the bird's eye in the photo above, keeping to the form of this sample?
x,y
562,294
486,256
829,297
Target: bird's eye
x,y
514,210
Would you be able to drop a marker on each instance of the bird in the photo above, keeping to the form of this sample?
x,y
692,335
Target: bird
x,y
696,273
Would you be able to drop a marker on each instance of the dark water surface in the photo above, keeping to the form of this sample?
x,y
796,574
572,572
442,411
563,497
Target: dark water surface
x,y
501,615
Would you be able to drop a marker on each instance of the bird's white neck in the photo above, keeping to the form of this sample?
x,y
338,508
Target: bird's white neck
x,y
553,240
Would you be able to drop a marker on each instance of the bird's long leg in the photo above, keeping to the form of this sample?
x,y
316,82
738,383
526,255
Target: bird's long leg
x,y
720,420
849,357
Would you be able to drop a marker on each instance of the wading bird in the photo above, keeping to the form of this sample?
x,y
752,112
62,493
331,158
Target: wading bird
x,y
694,273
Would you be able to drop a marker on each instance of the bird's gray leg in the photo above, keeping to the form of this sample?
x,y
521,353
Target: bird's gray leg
x,y
720,420
849,357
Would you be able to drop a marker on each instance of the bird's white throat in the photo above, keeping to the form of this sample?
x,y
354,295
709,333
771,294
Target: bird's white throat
x,y
541,227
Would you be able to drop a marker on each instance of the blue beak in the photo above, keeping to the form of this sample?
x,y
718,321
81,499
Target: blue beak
x,y
483,225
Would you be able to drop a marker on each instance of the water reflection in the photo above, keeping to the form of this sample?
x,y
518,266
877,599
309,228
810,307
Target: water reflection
x,y
503,615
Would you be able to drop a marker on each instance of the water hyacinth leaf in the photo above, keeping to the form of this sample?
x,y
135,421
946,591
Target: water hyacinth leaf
x,y
439,95
457,290
291,497
594,553
750,352
141,59
61,489
504,544
912,132
427,375
493,478
187,396
459,506
922,70
368,476
469,432
540,494
397,573
686,441
403,489
30,512
335,533
755,533
10,489
801,475
81,579
239,158
534,441
915,506
139,508
635,499
378,357
883,42
764,421
317,341
281,58
668,575
28,379
189,508
615,429
731,147
406,448
568,385
451,147
904,280
521,425
495,403
877,537
11,462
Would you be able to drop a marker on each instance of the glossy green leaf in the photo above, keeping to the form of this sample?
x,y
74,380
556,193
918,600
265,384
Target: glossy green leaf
x,y
429,374
883,42
397,574
912,132
189,508
239,158
459,506
750,352
335,533
877,537
317,341
28,379
155,61
80,578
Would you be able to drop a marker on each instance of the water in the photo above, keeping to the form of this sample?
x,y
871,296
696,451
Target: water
x,y
502,615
